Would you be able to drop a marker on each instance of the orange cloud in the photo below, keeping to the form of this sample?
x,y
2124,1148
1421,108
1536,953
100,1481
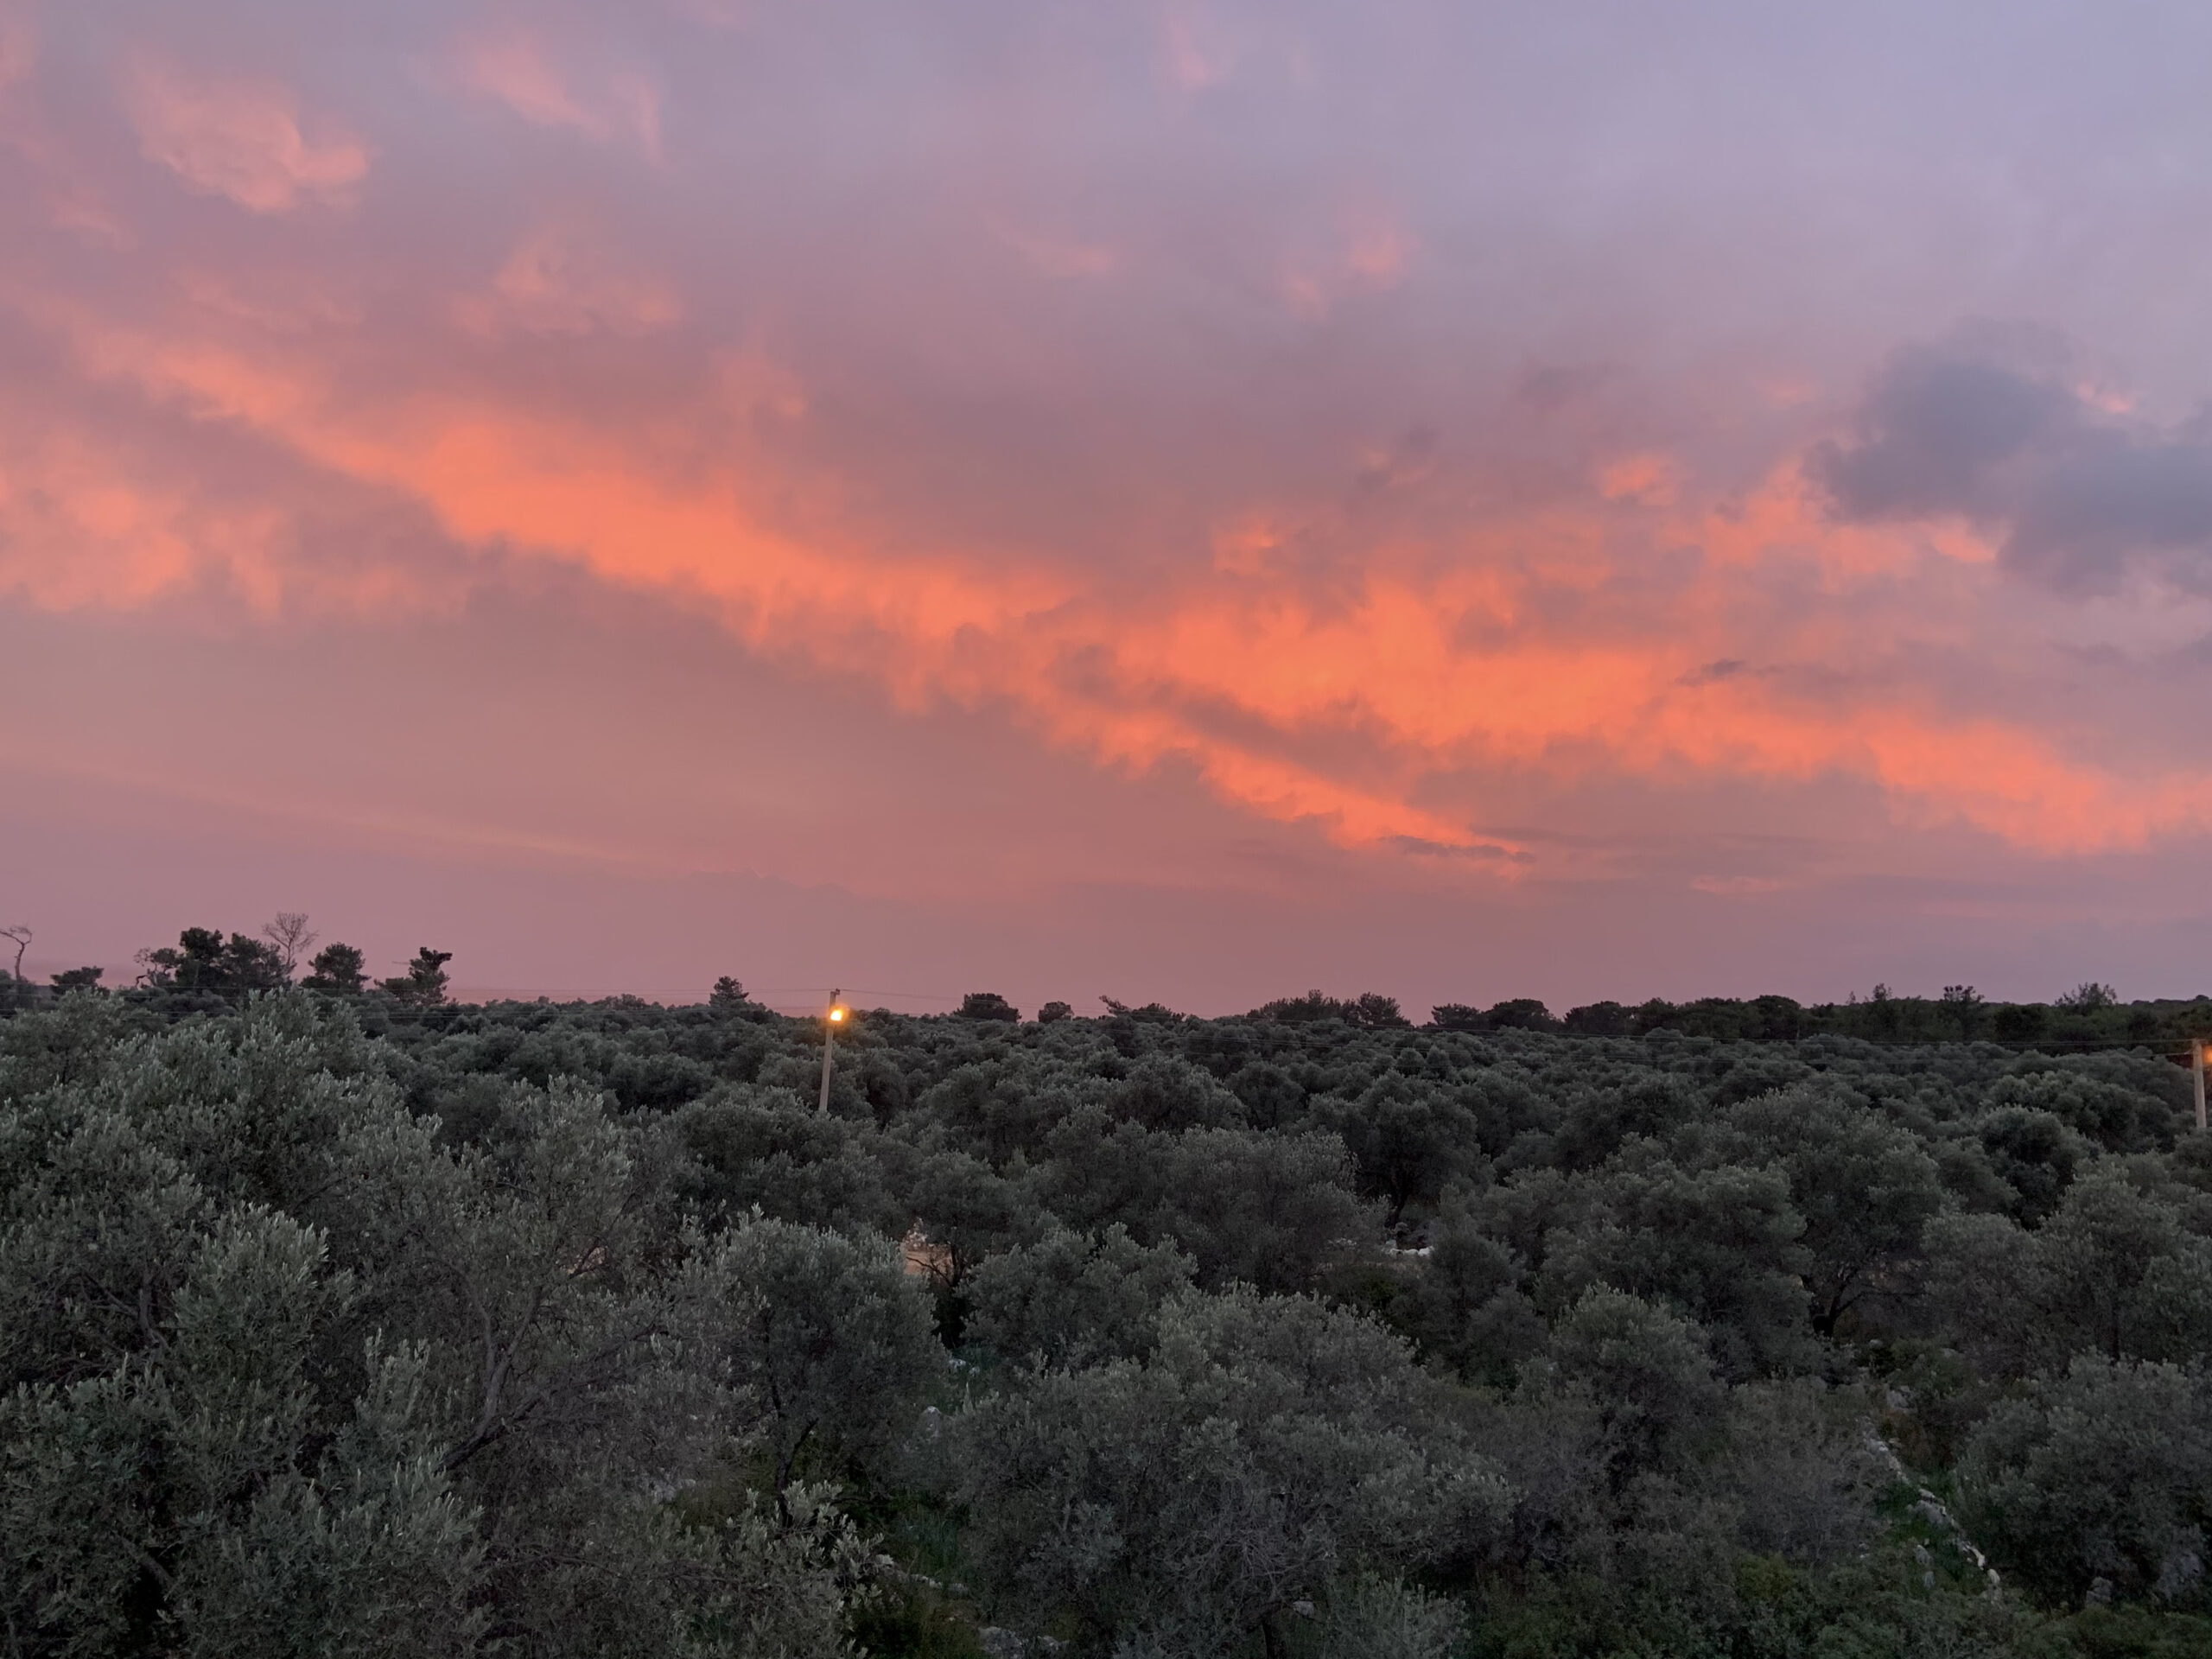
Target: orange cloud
x,y
239,139
1782,518
1645,481
77,529
85,526
924,627
1351,700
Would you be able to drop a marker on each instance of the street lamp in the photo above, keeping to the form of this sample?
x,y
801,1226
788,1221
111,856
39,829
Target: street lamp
x,y
830,1021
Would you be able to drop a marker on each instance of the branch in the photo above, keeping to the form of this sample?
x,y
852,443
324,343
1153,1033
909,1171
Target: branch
x,y
493,1426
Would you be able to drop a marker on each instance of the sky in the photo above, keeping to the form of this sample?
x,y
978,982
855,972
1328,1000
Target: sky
x,y
1167,501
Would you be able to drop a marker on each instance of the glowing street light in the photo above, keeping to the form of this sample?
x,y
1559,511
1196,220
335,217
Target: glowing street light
x,y
830,1021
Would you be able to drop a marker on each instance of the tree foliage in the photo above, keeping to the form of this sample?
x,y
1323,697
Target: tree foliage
x,y
353,1321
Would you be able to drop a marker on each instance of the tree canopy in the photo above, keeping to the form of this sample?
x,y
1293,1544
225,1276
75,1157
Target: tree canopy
x,y
342,1318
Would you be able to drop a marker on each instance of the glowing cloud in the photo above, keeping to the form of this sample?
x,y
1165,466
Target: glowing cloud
x,y
239,139
1250,681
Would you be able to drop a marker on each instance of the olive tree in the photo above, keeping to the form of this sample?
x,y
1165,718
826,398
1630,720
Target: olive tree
x,y
1183,1501
830,1337
1074,1299
1864,1187
2102,1473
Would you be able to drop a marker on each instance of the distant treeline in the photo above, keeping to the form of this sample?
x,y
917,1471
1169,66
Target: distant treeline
x,y
2092,1014
205,968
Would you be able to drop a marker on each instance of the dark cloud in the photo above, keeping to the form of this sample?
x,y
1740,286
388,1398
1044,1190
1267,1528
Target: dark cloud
x,y
1721,668
2112,499
1933,430
2078,497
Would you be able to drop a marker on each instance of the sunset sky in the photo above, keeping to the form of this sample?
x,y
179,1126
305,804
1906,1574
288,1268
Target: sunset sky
x,y
1179,501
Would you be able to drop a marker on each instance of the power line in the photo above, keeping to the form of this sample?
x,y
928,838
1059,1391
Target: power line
x,y
856,990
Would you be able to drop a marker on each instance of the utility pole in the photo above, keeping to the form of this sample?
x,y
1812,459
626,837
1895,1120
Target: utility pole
x,y
2197,1055
836,1017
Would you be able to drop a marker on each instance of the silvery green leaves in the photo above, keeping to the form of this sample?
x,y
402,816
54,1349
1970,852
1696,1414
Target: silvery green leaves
x,y
292,1370
1266,1445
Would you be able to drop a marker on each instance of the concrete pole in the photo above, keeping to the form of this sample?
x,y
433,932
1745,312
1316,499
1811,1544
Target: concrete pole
x,y
2196,1051
833,1014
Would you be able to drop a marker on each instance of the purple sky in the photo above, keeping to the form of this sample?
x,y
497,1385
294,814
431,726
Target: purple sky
x,y
1180,501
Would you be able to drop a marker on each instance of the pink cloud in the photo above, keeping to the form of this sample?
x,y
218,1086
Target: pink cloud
x,y
515,70
18,45
241,139
1059,257
1378,250
1369,250
1194,59
79,209
87,523
1644,479
561,284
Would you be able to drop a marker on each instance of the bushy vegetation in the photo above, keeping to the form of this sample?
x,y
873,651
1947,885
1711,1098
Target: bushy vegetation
x,y
348,1321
